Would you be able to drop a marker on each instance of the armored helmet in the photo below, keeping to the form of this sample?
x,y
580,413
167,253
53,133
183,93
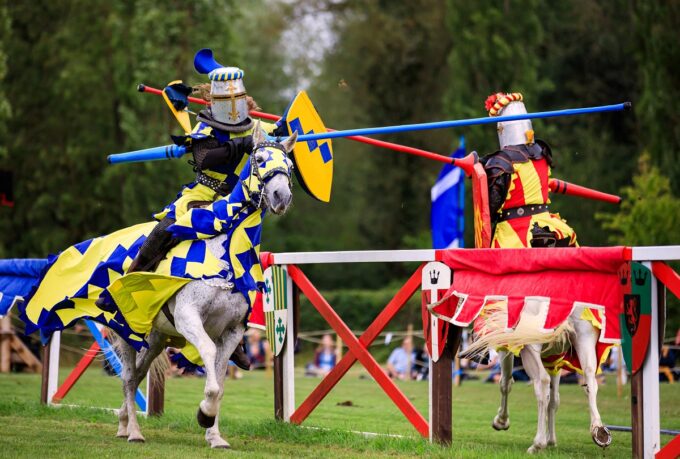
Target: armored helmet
x,y
510,132
227,91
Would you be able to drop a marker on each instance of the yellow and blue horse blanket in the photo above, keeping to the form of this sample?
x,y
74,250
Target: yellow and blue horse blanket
x,y
74,280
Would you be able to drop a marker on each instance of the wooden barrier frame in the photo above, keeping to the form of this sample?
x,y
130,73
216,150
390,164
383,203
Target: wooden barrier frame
x,y
644,389
440,406
51,393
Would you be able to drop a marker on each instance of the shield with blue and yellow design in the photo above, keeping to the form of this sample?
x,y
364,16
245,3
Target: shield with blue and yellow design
x,y
274,305
313,158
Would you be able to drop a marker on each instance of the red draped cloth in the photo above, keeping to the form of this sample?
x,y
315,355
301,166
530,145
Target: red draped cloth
x,y
568,277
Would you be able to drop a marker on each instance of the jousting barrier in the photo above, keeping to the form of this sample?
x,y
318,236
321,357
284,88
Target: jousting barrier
x,y
642,269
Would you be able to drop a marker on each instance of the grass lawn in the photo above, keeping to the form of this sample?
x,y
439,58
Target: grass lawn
x,y
28,429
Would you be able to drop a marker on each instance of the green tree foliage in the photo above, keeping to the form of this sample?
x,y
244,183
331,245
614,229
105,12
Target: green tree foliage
x,y
559,55
658,57
387,66
649,212
73,69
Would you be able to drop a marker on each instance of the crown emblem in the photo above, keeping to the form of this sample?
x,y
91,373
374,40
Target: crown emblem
x,y
640,276
623,274
434,276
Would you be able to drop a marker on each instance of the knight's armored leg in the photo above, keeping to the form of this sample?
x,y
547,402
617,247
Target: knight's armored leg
x,y
240,357
157,245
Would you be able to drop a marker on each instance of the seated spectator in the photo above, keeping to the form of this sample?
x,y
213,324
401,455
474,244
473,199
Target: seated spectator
x,y
400,361
325,358
421,364
667,364
255,348
493,364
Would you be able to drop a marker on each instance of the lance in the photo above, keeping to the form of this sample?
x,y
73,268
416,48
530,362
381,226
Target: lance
x,y
562,187
144,154
555,185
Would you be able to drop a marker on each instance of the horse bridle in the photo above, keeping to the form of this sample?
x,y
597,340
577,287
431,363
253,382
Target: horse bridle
x,y
263,178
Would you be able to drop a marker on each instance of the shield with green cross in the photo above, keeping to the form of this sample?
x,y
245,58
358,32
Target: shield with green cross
x,y
274,302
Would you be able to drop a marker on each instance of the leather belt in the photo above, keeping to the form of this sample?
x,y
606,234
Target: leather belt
x,y
522,211
210,182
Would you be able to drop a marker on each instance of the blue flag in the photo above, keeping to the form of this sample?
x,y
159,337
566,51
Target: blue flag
x,y
448,204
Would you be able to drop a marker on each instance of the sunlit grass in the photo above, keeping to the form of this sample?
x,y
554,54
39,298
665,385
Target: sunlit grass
x,y
31,430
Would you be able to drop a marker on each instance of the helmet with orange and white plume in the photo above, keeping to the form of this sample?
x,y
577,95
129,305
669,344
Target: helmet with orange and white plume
x,y
510,132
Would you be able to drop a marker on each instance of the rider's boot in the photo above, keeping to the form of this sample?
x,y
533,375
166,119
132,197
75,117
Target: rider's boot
x,y
240,358
155,248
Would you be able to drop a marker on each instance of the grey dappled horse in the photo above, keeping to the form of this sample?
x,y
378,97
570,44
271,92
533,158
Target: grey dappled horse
x,y
207,315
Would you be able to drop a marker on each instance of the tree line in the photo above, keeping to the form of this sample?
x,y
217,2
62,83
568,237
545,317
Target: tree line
x,y
69,69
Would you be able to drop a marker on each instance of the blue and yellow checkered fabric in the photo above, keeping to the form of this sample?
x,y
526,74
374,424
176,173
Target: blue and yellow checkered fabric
x,y
76,278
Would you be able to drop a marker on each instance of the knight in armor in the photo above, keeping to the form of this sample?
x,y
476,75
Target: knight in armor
x,y
221,143
517,177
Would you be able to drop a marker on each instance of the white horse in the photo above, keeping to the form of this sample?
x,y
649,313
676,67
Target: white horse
x,y
534,343
207,314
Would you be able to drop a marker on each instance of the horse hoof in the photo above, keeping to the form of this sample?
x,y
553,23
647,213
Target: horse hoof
x,y
204,420
224,445
533,449
602,436
138,439
498,425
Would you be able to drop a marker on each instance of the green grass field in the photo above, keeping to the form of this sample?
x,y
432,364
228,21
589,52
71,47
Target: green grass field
x,y
28,429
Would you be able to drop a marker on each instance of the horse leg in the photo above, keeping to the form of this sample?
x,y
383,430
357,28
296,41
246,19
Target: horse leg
x,y
225,347
143,361
553,405
188,322
531,358
585,344
129,376
502,419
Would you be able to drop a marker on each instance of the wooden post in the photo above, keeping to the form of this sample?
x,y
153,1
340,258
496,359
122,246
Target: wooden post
x,y
284,369
155,392
45,372
636,415
288,352
619,372
5,344
646,424
441,395
278,387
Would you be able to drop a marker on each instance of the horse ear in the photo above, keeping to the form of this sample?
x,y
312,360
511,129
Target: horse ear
x,y
258,134
289,143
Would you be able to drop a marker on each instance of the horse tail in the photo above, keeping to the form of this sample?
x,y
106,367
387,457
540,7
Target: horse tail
x,y
159,366
493,332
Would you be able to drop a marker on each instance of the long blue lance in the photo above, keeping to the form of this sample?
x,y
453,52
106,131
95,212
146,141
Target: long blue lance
x,y
174,151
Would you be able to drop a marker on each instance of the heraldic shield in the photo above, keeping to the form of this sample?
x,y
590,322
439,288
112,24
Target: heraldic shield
x,y
636,317
313,158
435,283
274,301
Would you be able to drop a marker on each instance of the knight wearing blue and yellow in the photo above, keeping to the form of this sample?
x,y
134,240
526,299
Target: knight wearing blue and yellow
x,y
517,177
221,143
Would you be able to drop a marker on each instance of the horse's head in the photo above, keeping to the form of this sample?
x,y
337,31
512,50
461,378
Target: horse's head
x,y
269,181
